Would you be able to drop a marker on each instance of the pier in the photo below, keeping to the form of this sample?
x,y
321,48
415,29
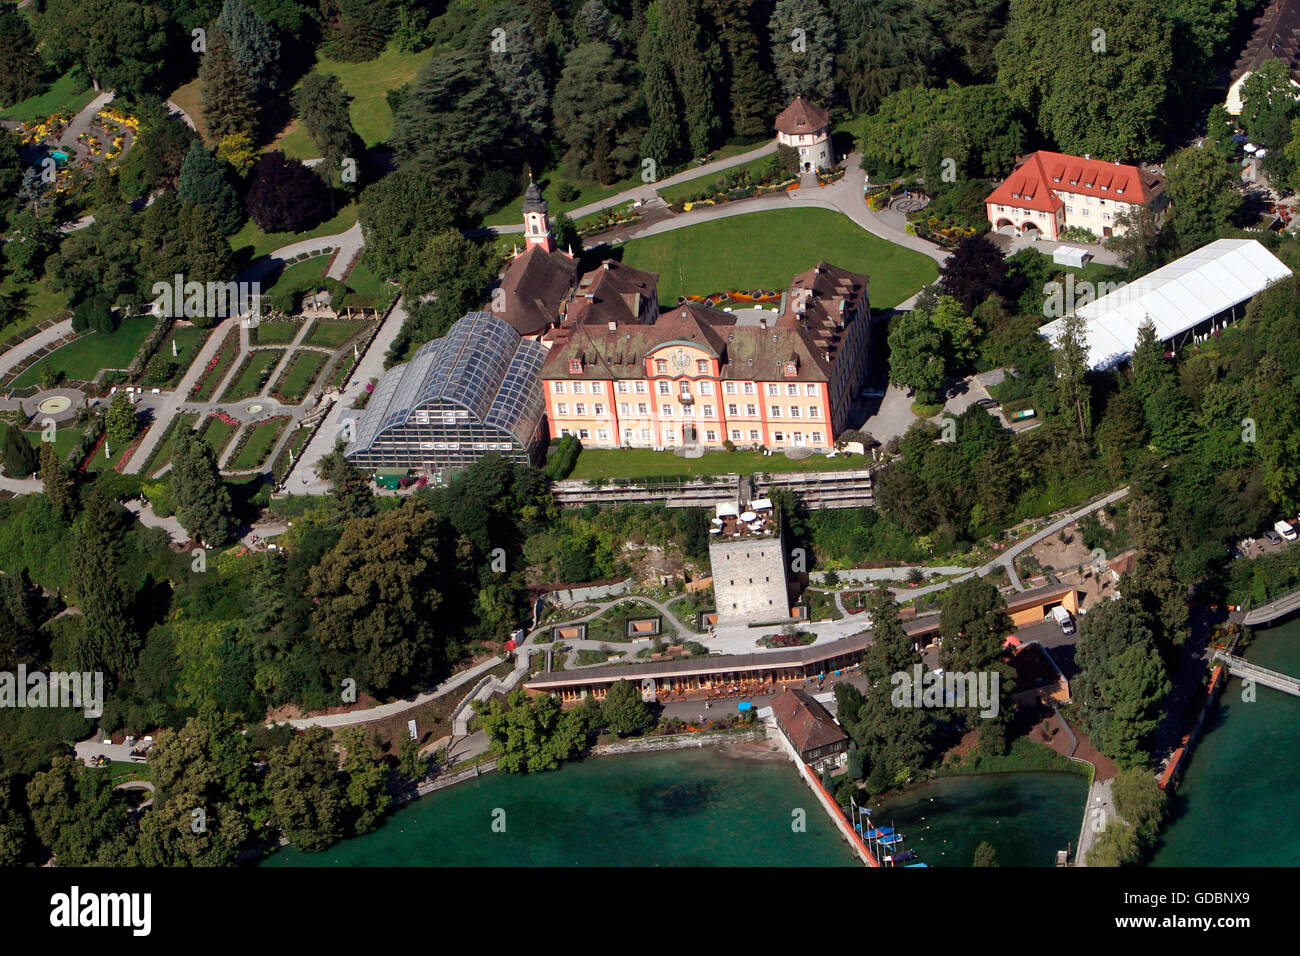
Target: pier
x,y
1273,610
1240,667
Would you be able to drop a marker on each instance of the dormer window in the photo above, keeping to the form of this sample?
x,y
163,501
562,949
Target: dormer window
x,y
791,368
1119,191
1105,188
1015,195
575,366
1056,179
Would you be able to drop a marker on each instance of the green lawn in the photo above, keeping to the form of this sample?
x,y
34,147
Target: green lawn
x,y
295,443
189,341
247,383
368,84
69,92
298,377
765,249
162,452
260,243
190,98
82,358
275,333
331,335
42,303
258,444
293,276
227,352
367,290
644,463
65,438
217,434
714,183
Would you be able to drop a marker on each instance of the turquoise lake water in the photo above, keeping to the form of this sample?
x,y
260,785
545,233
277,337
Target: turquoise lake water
x,y
1238,801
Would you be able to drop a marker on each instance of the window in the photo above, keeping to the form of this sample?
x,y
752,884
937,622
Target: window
x,y
661,366
565,431
666,411
1069,210
664,389
749,388
579,388
775,411
602,435
685,389
817,438
814,411
753,434
730,388
562,408
1087,212
778,437
642,408
811,388
580,408
731,410
599,409
622,387
688,410
710,436
751,410
794,411
792,389
624,408
670,436
773,390
598,388
557,388
708,411
584,434
645,434
735,434
702,366
575,366
639,388
627,434
706,388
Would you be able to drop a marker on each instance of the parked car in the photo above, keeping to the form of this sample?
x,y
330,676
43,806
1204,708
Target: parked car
x,y
1273,537
987,403
873,393
1285,530
1063,618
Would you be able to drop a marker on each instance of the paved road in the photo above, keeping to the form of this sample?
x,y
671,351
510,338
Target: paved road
x,y
1007,558
28,347
302,479
649,191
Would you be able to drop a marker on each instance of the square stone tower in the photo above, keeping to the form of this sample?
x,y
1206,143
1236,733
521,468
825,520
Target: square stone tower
x,y
747,553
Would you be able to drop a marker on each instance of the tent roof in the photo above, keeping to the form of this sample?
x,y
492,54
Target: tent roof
x,y
1177,297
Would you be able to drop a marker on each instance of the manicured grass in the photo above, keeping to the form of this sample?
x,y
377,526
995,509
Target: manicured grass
x,y
82,358
368,84
66,438
257,444
367,290
612,625
331,335
217,434
299,376
190,98
292,276
247,382
162,452
275,333
42,303
260,243
69,92
763,250
644,463
227,352
294,444
714,183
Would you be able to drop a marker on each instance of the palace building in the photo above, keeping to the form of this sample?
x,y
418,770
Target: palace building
x,y
622,373
539,281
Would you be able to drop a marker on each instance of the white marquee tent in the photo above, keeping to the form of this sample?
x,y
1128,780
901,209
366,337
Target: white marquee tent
x,y
1178,297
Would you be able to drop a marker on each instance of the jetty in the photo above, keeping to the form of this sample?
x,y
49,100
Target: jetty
x,y
1273,610
1240,667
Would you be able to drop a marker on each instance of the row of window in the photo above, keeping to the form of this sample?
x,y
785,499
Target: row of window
x,y
670,436
666,411
703,388
1087,212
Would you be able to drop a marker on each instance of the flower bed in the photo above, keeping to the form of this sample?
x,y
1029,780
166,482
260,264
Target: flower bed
x,y
217,367
256,442
714,299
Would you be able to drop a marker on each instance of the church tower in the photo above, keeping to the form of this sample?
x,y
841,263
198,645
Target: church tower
x,y
537,225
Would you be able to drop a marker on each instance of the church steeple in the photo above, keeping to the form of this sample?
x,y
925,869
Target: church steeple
x,y
537,224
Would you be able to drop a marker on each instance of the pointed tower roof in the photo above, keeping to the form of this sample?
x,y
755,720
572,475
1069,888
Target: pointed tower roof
x,y
533,201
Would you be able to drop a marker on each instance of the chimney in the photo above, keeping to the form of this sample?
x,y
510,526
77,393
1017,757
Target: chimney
x,y
605,265
762,322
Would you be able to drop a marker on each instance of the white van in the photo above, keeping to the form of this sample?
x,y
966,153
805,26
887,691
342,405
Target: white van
x,y
1285,530
1062,617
